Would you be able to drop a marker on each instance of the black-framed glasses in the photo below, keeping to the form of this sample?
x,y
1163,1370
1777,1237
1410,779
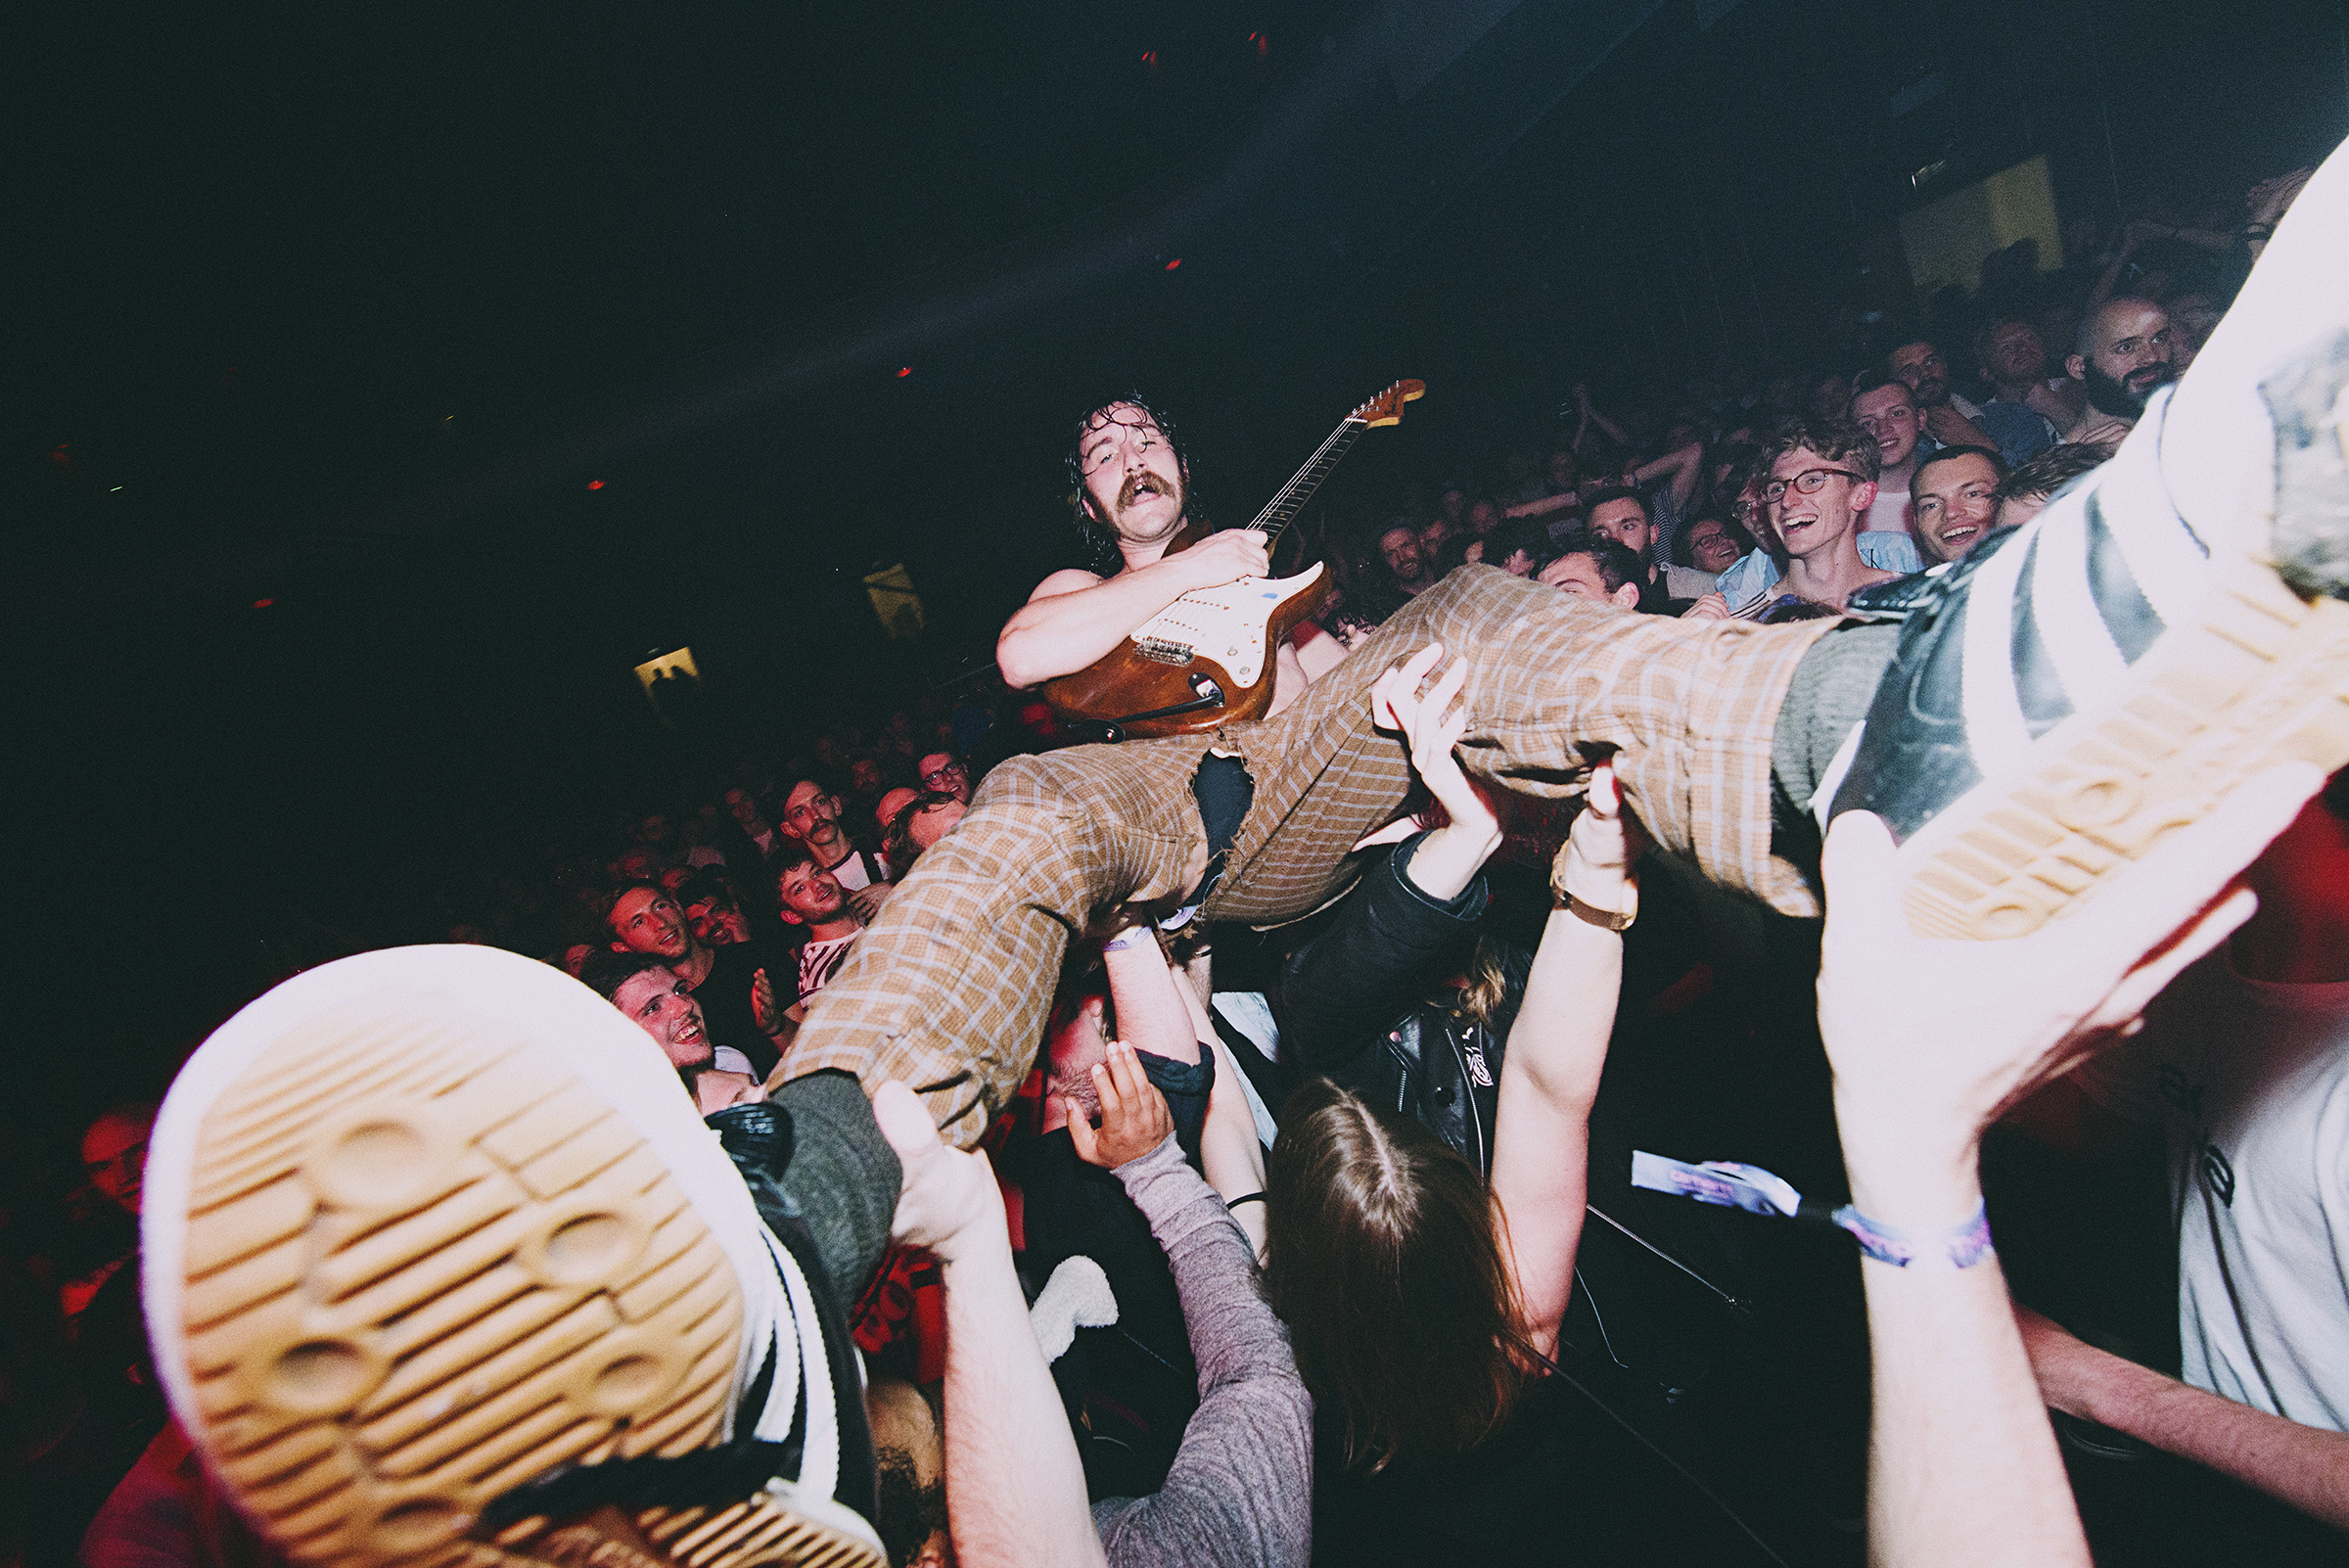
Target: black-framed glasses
x,y
930,779
1809,481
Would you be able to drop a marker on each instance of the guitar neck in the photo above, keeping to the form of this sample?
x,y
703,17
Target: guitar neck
x,y
1282,509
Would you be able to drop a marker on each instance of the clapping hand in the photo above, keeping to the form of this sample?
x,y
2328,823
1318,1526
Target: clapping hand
x,y
1135,1119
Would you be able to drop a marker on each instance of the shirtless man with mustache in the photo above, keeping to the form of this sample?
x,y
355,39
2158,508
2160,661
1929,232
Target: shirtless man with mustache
x,y
1134,484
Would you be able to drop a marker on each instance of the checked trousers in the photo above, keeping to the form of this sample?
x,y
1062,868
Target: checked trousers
x,y
948,989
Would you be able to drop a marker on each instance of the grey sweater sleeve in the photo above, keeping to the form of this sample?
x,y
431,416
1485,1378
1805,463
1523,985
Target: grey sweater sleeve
x,y
1240,1492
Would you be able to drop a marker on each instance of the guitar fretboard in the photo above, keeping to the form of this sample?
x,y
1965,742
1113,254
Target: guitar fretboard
x,y
1282,509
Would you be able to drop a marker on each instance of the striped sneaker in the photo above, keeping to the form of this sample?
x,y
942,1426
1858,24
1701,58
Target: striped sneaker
x,y
442,1267
2076,688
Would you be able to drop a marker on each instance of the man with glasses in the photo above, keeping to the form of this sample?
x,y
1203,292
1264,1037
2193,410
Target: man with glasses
x,y
945,772
1821,481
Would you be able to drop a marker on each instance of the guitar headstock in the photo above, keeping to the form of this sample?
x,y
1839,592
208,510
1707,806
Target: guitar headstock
x,y
1387,407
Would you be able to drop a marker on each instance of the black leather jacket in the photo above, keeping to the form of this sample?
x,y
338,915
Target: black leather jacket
x,y
1352,1005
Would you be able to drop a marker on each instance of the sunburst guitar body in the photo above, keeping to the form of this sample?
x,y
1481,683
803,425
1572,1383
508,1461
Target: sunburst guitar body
x,y
1213,655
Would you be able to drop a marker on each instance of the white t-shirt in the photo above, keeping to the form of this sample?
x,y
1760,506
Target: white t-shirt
x,y
851,872
820,960
2249,1081
1888,513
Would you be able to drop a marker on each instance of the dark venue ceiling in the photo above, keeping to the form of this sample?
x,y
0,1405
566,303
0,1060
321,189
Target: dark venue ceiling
x,y
345,308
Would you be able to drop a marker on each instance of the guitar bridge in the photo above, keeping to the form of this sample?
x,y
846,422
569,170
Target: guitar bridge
x,y
1162,651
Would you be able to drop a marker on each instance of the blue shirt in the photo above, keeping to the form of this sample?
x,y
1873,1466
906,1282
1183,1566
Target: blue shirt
x,y
1757,574
2022,432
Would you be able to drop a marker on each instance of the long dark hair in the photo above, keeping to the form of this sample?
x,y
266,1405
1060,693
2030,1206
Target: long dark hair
x,y
1385,1256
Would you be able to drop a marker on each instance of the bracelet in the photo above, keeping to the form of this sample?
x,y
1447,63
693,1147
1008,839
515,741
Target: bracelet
x,y
1592,914
1961,1246
1131,937
1246,1197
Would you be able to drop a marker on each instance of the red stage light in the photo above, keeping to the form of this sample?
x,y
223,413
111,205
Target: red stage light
x,y
905,371
262,604
1172,265
1262,42
595,484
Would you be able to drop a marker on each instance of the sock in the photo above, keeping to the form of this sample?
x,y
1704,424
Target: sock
x,y
1833,687
843,1177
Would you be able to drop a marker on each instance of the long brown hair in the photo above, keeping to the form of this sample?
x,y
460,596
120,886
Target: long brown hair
x,y
1384,1257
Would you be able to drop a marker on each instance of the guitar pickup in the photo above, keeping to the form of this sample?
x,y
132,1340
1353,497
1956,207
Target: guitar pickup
x,y
1164,652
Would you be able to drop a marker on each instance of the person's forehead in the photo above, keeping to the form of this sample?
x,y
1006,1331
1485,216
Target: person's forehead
x,y
639,989
1795,460
2131,320
1952,474
1398,530
1125,415
2015,331
1621,509
634,902
933,760
802,792
109,1135
1910,354
1881,400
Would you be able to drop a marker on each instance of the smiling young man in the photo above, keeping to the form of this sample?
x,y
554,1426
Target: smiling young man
x,y
1133,485
644,919
1823,481
1956,500
811,895
1822,530
648,995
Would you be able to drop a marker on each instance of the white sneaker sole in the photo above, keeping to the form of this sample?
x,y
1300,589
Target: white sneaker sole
x,y
421,1225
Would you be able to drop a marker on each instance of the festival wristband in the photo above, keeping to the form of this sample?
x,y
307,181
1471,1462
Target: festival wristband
x,y
1734,1185
1960,1246
1131,937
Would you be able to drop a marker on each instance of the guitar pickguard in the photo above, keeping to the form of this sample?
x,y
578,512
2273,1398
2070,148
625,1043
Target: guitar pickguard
x,y
1225,623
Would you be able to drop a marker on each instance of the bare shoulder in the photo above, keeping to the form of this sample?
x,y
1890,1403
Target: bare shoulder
x,y
1074,580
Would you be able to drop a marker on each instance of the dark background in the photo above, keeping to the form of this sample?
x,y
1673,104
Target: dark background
x,y
344,308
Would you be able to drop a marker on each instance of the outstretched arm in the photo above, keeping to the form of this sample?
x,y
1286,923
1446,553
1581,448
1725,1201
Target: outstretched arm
x,y
1015,1487
1549,1074
2305,1466
1684,464
1929,1040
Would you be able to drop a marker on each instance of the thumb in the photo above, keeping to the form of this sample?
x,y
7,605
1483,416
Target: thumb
x,y
903,1123
1856,865
1080,1129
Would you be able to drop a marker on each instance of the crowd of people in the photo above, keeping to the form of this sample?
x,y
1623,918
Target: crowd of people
x,y
1203,1215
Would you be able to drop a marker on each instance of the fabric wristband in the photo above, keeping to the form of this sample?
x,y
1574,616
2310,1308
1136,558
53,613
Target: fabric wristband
x,y
1131,937
1734,1185
1961,1246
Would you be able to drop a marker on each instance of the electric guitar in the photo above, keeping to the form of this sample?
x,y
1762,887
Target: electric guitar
x,y
1209,656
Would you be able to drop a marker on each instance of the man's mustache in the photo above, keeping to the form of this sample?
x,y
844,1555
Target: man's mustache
x,y
1136,485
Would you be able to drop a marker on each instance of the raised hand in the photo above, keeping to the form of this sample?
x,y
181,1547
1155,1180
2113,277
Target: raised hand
x,y
763,1012
1929,1040
1135,1119
1432,723
1603,849
947,1200
865,902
